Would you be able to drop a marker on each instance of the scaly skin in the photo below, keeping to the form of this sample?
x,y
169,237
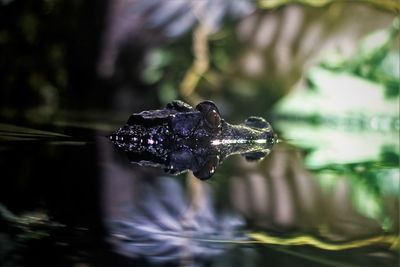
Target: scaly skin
x,y
180,138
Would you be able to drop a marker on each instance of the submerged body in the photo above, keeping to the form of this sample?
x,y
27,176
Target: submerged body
x,y
180,137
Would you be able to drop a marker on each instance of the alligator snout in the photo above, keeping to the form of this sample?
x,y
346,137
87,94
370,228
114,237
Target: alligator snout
x,y
180,137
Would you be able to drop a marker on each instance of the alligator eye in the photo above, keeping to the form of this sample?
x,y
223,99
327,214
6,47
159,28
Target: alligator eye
x,y
210,114
213,118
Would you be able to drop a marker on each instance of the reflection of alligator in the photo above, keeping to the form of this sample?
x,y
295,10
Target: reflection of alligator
x,y
180,137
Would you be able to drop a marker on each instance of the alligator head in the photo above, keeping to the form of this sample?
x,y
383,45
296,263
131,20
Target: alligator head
x,y
180,138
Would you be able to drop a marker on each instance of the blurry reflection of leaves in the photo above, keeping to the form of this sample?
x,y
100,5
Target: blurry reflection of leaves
x,y
391,240
150,216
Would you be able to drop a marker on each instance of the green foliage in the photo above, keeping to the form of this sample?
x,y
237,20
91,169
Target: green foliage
x,y
351,106
377,60
370,183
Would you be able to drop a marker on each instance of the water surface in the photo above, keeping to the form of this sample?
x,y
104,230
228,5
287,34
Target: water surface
x,y
69,197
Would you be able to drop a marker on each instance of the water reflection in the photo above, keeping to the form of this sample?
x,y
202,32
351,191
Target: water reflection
x,y
278,204
152,216
280,194
249,214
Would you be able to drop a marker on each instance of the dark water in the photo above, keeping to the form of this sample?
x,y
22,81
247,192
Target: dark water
x,y
72,199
